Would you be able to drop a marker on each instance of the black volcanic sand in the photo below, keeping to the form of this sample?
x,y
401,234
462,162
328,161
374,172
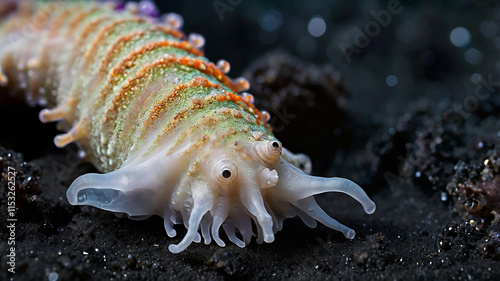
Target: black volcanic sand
x,y
433,172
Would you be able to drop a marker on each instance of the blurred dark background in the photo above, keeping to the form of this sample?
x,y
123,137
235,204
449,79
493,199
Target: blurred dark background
x,y
411,59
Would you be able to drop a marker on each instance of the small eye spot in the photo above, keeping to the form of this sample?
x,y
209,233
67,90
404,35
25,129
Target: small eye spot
x,y
276,145
226,174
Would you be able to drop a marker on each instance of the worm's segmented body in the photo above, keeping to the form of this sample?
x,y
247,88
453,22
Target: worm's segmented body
x,y
166,125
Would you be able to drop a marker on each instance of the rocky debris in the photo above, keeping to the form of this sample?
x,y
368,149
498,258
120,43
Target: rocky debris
x,y
476,187
27,176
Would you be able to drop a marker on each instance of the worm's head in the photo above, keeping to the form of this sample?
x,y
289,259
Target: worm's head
x,y
219,185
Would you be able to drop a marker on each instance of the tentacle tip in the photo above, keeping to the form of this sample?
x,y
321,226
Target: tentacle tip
x,y
173,20
269,238
175,249
3,79
62,140
223,66
266,116
207,241
220,243
132,7
196,40
72,199
350,234
197,238
170,232
42,115
241,84
370,208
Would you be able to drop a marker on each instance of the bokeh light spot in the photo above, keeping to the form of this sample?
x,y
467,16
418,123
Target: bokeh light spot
x,y
271,20
316,26
391,80
473,56
460,37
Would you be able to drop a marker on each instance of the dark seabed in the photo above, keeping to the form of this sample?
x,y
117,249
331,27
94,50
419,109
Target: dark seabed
x,y
402,97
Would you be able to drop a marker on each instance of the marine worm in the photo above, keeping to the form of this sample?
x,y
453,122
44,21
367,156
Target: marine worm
x,y
172,135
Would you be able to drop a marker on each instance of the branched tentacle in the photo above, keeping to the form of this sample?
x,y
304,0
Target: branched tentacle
x,y
309,206
293,183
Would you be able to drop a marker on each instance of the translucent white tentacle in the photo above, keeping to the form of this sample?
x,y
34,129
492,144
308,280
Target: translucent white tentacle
x,y
220,215
298,185
251,197
276,223
310,222
205,229
202,203
310,207
169,227
231,234
243,223
197,237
